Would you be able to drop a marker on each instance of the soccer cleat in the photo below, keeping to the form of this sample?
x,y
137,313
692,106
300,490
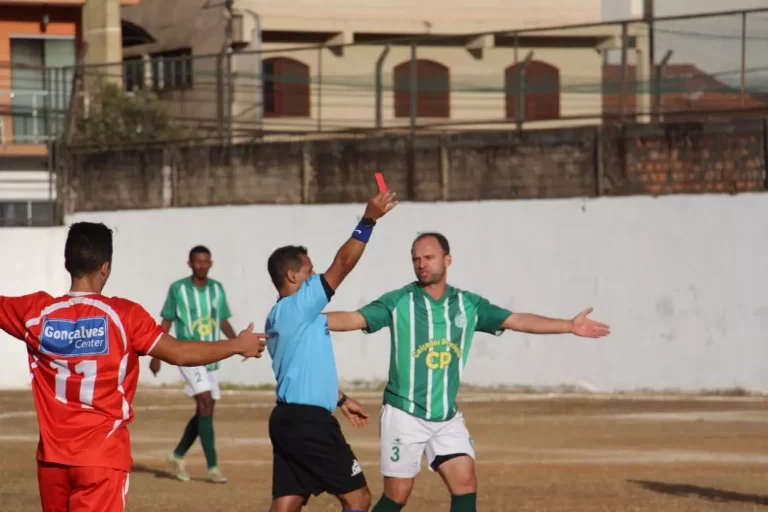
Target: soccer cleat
x,y
216,476
177,468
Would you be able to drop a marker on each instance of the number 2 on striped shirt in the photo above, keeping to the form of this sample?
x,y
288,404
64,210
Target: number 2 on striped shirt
x,y
87,369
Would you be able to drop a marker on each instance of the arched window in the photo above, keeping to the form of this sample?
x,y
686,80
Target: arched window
x,y
286,87
433,89
539,89
134,35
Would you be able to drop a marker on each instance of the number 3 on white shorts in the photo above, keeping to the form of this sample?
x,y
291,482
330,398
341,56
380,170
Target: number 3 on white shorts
x,y
395,451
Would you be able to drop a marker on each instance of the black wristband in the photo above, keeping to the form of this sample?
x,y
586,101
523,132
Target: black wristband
x,y
341,402
367,222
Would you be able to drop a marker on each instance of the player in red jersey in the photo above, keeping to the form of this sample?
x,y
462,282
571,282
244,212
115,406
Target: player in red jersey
x,y
84,352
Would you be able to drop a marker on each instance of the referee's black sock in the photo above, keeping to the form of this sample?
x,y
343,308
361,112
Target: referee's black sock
x,y
386,505
464,503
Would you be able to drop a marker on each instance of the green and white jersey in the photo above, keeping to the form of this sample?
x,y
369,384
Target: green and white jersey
x,y
196,312
430,344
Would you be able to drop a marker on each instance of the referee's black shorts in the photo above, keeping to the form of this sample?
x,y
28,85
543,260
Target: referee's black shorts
x,y
311,455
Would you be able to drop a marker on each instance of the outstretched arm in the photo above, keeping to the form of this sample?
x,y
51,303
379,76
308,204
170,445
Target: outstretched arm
x,y
349,253
343,321
580,325
198,353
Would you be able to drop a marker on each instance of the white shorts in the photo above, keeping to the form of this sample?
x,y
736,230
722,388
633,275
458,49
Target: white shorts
x,y
405,439
200,379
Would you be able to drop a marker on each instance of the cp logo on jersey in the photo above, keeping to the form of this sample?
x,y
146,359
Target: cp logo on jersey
x,y
438,360
75,338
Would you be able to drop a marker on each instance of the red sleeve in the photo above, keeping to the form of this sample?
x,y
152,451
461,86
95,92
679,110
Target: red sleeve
x,y
16,311
142,330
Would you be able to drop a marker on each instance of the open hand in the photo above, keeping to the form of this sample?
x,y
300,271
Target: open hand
x,y
252,344
355,413
380,205
588,328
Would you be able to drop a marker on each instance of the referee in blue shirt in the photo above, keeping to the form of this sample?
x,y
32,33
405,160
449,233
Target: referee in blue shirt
x,y
310,454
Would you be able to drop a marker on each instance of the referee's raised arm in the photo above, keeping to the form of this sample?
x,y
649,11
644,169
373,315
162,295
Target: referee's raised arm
x,y
349,253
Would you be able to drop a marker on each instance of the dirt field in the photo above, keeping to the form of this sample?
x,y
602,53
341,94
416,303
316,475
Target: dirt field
x,y
535,453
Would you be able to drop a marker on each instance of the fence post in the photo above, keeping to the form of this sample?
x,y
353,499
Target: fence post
x,y
320,88
624,47
379,86
220,96
413,87
659,79
743,58
520,106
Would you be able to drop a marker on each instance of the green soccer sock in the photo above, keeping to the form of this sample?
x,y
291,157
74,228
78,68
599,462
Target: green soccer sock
x,y
205,424
386,505
464,503
188,439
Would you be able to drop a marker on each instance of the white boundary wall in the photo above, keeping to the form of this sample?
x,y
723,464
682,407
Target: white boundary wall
x,y
682,280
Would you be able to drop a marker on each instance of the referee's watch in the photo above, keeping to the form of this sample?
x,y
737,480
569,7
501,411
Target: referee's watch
x,y
342,400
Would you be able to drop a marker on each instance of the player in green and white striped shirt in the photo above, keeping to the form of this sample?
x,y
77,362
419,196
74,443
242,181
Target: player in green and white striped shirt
x,y
431,326
197,308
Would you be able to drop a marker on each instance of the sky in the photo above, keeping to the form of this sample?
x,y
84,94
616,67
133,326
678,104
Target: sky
x,y
712,44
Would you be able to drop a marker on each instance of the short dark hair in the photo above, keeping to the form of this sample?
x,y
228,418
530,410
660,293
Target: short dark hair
x,y
282,260
88,247
198,249
444,245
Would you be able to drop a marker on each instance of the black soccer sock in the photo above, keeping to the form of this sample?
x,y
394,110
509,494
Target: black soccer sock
x,y
188,439
464,503
205,424
386,505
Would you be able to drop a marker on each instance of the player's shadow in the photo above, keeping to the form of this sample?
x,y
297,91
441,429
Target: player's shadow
x,y
159,473
707,493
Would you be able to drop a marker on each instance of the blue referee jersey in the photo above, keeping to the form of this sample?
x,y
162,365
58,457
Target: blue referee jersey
x,y
301,348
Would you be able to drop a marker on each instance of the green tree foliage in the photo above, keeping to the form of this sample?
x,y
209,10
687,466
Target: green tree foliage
x,y
115,117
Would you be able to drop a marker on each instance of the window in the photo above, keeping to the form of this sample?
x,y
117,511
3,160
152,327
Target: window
x,y
286,88
133,73
538,88
26,213
40,87
172,70
433,89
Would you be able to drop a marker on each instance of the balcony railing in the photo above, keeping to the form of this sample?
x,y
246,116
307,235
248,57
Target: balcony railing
x,y
31,116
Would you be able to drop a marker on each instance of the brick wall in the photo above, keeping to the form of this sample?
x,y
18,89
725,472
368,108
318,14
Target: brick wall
x,y
467,166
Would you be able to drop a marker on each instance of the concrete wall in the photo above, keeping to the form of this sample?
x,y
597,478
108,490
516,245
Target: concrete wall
x,y
586,161
680,279
33,260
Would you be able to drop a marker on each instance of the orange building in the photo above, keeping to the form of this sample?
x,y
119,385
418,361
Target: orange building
x,y
39,41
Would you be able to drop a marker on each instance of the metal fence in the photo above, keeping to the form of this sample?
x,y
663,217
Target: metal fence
x,y
704,66
701,66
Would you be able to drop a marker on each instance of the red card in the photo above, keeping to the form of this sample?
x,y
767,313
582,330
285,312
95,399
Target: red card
x,y
380,182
